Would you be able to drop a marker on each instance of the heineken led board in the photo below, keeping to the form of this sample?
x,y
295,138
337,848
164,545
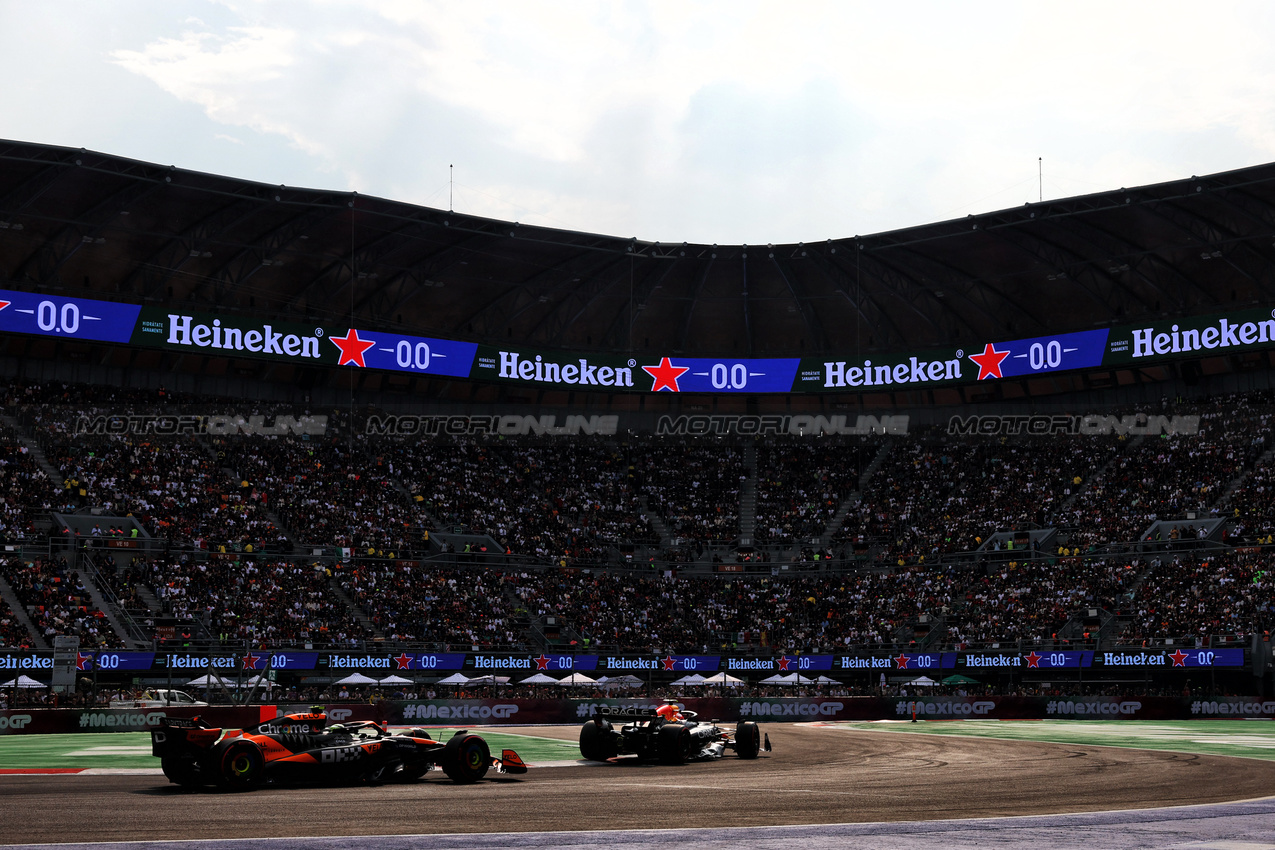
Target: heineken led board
x,y
173,329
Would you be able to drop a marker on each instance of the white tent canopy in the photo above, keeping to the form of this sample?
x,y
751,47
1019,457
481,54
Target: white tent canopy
x,y
395,680
357,679
790,679
213,680
723,678
539,679
691,680
454,679
923,681
628,680
824,680
23,681
577,679
488,680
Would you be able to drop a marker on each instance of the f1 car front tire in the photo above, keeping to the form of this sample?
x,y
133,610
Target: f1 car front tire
x,y
597,741
466,758
240,765
673,743
747,739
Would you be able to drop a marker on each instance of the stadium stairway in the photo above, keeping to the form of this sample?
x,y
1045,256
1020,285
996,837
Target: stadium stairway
x,y
37,453
922,632
1098,624
748,497
1071,500
657,522
20,613
148,599
1225,500
100,603
843,510
359,614
233,475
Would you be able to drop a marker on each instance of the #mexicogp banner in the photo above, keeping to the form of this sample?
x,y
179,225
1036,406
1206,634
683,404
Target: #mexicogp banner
x,y
468,712
176,329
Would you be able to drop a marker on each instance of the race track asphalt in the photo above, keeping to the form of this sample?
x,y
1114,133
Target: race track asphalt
x,y
814,776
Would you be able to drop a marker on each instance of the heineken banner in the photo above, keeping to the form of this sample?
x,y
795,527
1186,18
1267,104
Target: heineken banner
x,y
176,329
181,665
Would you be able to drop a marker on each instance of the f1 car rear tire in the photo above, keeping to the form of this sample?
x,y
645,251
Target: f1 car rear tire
x,y
597,741
466,758
747,739
179,770
673,743
239,765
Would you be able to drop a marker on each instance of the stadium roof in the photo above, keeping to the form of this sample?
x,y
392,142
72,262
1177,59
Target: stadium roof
x,y
106,227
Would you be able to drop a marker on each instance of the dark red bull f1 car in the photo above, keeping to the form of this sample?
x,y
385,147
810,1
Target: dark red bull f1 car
x,y
304,749
619,734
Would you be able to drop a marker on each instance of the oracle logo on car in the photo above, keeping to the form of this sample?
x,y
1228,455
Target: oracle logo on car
x,y
15,721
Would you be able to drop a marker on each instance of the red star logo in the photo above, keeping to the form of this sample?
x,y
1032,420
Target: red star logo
x,y
989,362
83,660
250,662
669,662
404,661
1033,660
1179,658
665,375
542,663
902,661
783,662
352,348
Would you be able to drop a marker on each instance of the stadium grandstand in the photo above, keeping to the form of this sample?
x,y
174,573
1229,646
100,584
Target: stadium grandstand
x,y
245,417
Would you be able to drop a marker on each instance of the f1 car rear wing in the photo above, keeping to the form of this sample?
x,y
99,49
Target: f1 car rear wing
x,y
625,712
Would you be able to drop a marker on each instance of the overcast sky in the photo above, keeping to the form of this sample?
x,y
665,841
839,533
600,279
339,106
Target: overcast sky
x,y
674,121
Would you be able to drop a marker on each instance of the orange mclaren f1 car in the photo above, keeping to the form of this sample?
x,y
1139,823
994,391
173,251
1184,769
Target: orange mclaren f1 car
x,y
304,749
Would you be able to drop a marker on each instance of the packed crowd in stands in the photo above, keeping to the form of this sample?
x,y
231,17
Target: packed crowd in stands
x,y
257,601
56,601
170,485
694,485
25,491
1029,600
936,496
801,486
439,606
12,631
329,491
1198,596
580,502
1171,476
544,498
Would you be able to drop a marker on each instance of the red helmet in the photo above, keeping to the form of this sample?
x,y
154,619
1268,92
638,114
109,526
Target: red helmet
x,y
669,711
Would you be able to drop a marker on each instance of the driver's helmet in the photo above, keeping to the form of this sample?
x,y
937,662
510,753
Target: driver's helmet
x,y
669,711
